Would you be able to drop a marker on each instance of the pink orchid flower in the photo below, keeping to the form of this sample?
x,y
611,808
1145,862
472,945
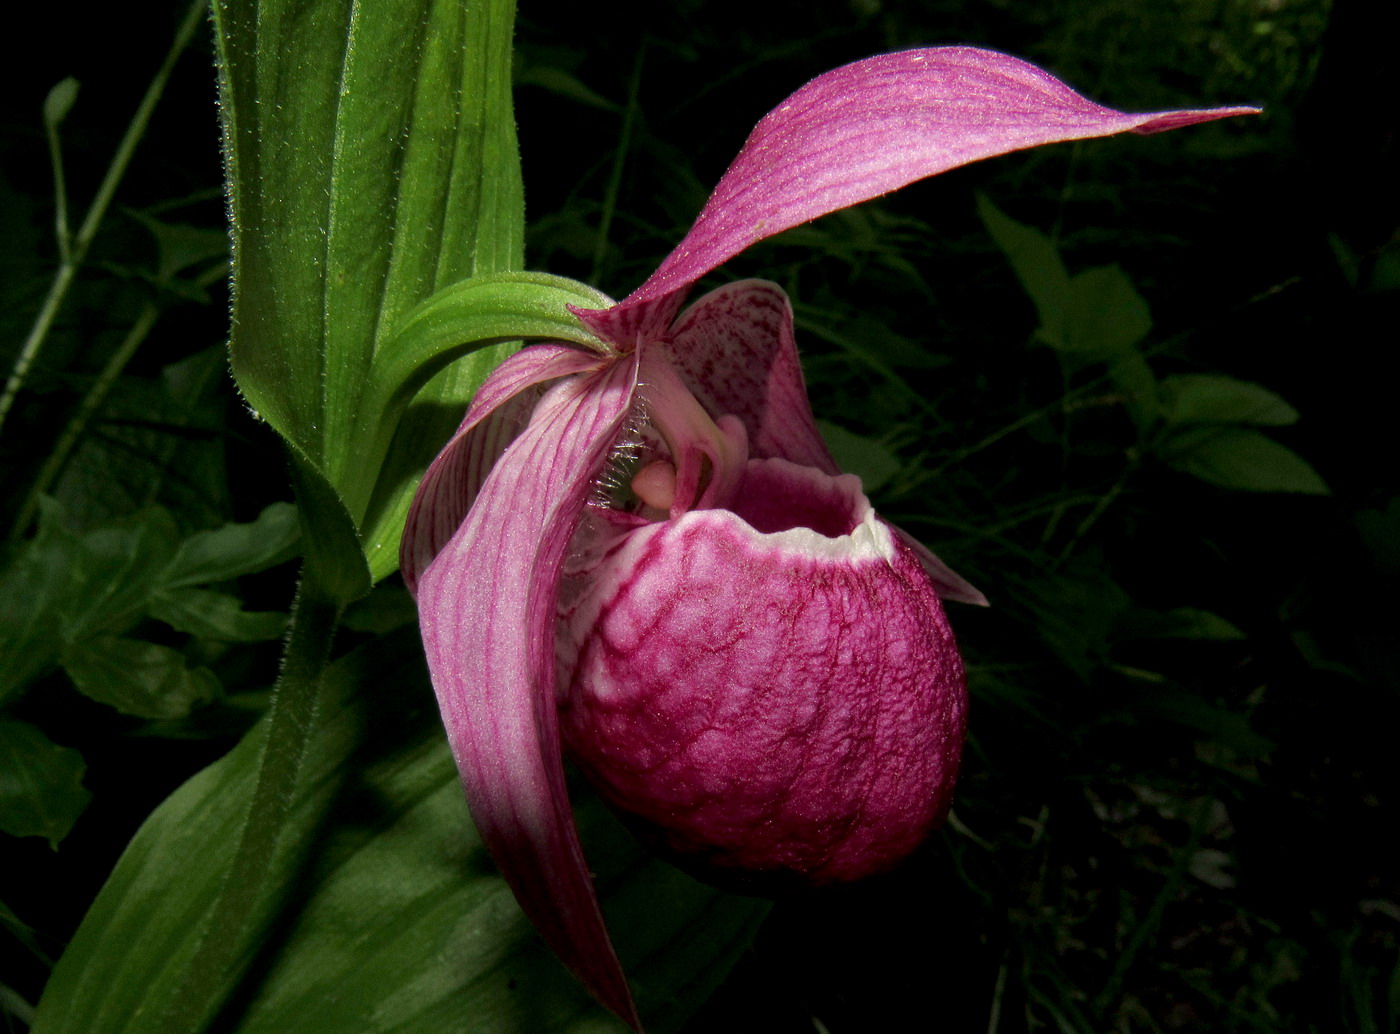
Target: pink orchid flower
x,y
644,553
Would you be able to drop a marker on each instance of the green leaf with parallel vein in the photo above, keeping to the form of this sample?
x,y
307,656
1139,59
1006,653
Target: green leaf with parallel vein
x,y
372,159
396,920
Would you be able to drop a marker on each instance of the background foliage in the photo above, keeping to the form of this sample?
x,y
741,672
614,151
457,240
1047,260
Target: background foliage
x,y
1177,804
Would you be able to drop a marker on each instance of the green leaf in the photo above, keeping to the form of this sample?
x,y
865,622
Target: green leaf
x,y
1106,316
215,615
482,310
32,591
62,587
41,783
180,246
400,921
1180,623
865,457
372,158
1201,398
137,677
76,593
1240,458
1037,265
333,550
463,318
237,549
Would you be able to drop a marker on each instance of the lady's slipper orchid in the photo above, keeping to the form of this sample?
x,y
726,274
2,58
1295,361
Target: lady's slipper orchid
x,y
645,553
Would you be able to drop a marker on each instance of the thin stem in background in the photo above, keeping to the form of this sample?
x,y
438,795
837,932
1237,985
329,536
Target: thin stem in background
x,y
92,402
624,144
72,253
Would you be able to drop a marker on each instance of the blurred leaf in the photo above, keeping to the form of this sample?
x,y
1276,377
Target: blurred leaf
x,y
402,923
41,783
1179,623
564,83
1105,316
1239,458
1214,399
1037,265
156,441
1228,728
1076,613
180,246
387,608
855,454
75,594
62,587
137,677
214,615
32,588
1380,531
236,549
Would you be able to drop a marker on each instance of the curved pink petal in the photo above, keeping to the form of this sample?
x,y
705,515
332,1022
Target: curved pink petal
x,y
498,413
866,129
487,610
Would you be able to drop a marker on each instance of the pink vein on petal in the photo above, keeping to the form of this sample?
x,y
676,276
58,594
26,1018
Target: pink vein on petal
x,y
871,127
498,412
494,672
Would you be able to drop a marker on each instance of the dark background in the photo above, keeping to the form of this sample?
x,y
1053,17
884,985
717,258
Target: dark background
x,y
1155,830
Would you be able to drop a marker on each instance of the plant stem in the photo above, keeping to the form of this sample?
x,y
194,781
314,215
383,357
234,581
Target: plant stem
x,y
624,144
244,893
73,255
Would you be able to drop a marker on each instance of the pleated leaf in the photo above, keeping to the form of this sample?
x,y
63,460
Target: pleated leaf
x,y
372,161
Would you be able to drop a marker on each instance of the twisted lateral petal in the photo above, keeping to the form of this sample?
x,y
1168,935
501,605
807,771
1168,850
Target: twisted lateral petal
x,y
498,413
866,129
487,610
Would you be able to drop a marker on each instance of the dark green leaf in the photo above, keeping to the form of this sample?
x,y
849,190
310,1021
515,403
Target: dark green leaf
x,y
215,615
1240,458
401,923
41,783
865,457
1106,316
1180,623
236,549
1037,265
32,591
62,587
1201,398
180,246
387,608
138,678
